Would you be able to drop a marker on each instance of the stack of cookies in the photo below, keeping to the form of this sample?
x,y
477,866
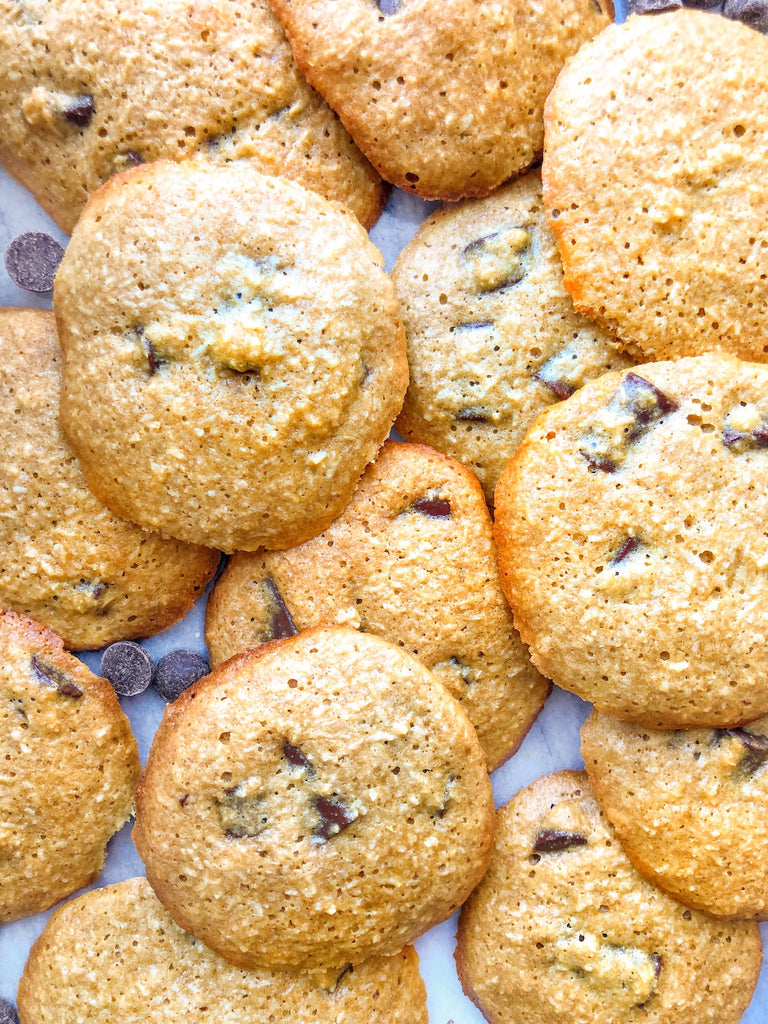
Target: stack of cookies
x,y
576,356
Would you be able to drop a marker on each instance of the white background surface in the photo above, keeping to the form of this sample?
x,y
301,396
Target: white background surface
x,y
553,742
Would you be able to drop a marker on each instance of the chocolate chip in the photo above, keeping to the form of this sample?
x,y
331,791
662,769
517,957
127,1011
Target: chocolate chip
x,y
472,415
658,963
752,12
567,370
282,624
80,110
348,970
473,325
500,260
128,667
95,589
466,673
154,362
32,260
8,1014
242,814
555,840
630,545
652,6
297,757
755,748
178,670
49,675
334,817
432,505
745,429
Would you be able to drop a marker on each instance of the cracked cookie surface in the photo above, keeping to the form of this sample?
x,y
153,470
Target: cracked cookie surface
x,y
563,929
314,802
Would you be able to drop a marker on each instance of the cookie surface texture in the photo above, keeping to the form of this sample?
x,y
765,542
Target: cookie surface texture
x,y
67,560
445,99
225,381
411,559
631,534
68,765
563,929
88,90
313,803
115,956
689,806
491,332
656,189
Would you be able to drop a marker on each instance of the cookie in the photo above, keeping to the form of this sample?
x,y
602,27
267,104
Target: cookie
x,y
315,802
88,89
115,956
411,559
66,559
445,99
631,534
68,765
234,355
690,808
656,188
563,929
491,333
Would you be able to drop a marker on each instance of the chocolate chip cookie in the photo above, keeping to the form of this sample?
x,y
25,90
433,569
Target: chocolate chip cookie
x,y
234,355
68,765
315,802
563,929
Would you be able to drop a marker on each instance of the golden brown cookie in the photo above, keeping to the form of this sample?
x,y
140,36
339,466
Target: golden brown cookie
x,y
315,802
411,558
444,98
690,808
234,355
491,333
631,533
68,765
563,929
656,187
66,559
88,89
115,956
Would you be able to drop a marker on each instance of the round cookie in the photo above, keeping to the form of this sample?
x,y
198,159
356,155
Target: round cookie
x,y
234,355
115,956
444,98
631,534
88,89
563,929
656,188
690,808
491,333
66,559
314,802
411,558
68,765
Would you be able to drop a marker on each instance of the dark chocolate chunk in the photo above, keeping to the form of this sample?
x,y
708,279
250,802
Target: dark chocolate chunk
x,y
297,757
32,260
465,671
242,814
473,325
348,970
471,415
152,359
555,840
80,110
132,158
282,624
334,817
500,260
8,1014
702,5
755,748
178,670
567,370
658,963
432,505
737,439
559,387
96,589
652,6
752,12
49,675
128,666
630,545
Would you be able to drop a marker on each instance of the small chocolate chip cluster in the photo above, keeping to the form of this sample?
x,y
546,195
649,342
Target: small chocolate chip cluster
x,y
753,13
130,669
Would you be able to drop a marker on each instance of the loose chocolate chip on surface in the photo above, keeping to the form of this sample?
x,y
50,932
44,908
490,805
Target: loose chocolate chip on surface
x,y
334,817
432,505
178,670
128,667
282,624
49,675
297,757
753,13
80,110
32,260
8,1013
555,840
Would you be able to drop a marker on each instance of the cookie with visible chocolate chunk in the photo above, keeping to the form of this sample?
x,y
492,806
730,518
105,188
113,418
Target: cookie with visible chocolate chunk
x,y
491,333
411,558
444,98
631,533
68,765
234,355
89,89
315,802
116,955
563,929
690,808
66,559
661,227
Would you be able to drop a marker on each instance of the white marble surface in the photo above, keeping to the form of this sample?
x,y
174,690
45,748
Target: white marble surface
x,y
552,743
